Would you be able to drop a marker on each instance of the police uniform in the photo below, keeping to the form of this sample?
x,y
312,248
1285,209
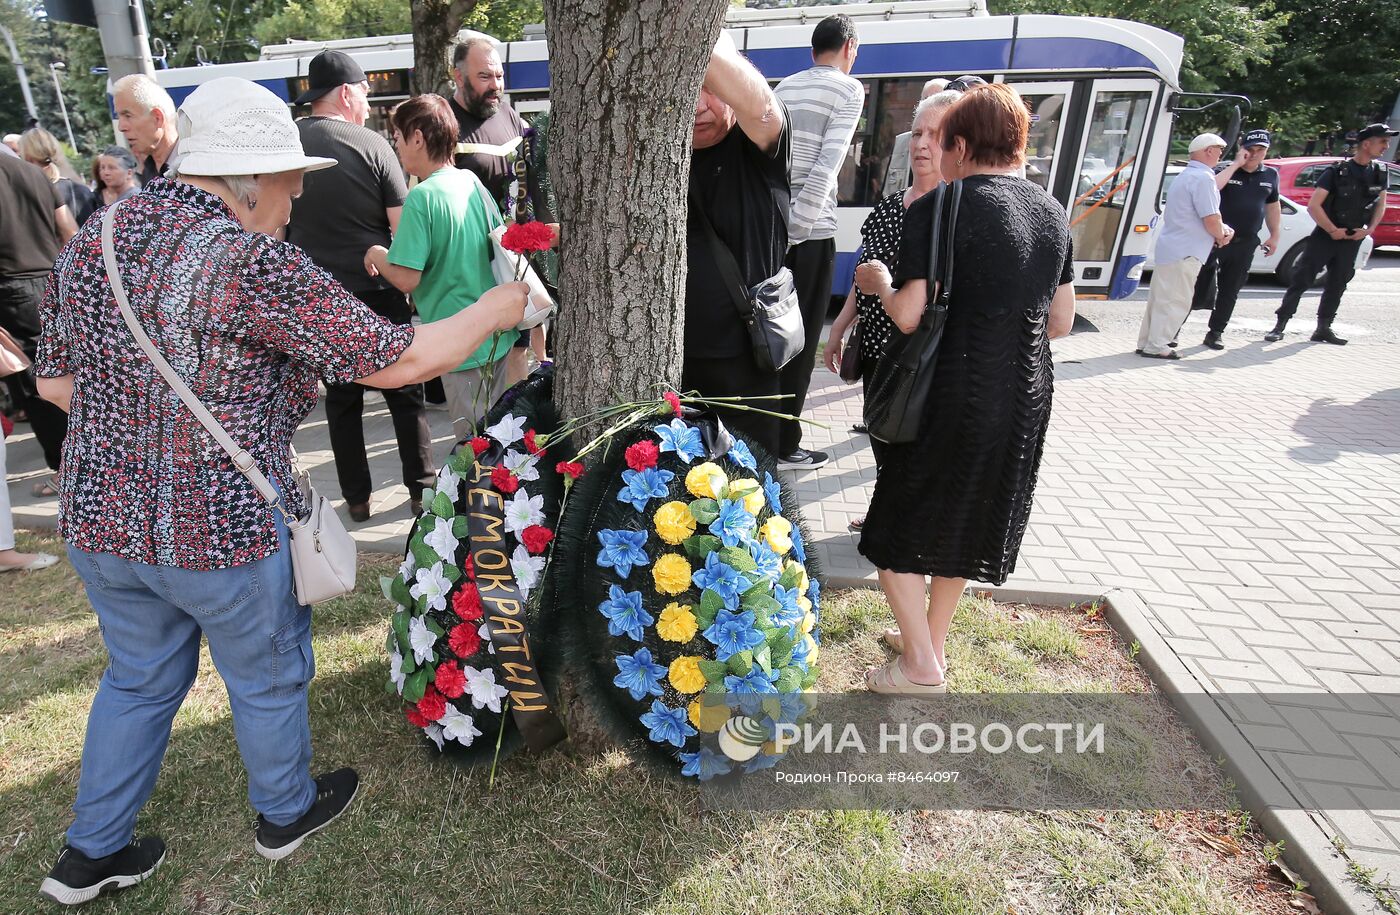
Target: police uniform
x,y
1353,192
1244,200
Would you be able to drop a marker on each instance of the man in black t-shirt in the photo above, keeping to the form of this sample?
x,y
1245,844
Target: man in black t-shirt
x,y
739,180
1347,206
342,212
1248,202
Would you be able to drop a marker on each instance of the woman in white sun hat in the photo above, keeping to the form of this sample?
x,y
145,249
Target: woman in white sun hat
x,y
170,539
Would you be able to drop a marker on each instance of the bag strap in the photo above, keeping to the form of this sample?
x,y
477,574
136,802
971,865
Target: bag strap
x,y
950,232
724,260
240,456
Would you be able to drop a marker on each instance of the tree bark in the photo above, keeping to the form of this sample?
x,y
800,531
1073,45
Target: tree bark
x,y
435,25
624,76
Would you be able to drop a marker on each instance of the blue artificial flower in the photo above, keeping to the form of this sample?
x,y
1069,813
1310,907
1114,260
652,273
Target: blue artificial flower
x,y
774,491
622,550
740,454
704,764
734,524
792,707
733,631
770,564
789,613
682,438
642,486
668,725
814,591
799,549
760,762
625,613
721,578
638,674
756,681
800,651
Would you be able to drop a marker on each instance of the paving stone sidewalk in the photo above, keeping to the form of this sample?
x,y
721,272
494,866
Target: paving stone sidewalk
x,y
1250,497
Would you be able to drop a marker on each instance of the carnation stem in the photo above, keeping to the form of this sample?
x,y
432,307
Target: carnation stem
x,y
500,735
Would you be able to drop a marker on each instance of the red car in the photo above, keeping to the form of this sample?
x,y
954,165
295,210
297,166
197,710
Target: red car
x,y
1298,177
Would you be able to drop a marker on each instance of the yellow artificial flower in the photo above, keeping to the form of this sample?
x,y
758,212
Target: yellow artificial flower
x,y
777,530
809,621
677,623
804,604
674,522
686,676
754,502
671,574
705,480
813,649
709,716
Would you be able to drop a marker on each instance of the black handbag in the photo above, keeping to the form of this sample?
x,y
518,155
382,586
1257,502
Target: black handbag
x,y
850,354
769,311
899,390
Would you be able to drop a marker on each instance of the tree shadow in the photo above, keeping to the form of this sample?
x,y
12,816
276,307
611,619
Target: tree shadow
x,y
1368,426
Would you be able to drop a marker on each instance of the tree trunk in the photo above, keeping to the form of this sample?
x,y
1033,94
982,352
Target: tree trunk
x,y
624,75
435,25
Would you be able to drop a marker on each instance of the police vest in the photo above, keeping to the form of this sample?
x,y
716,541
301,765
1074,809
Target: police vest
x,y
1353,199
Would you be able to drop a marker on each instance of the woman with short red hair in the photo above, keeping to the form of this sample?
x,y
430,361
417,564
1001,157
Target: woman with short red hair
x,y
953,504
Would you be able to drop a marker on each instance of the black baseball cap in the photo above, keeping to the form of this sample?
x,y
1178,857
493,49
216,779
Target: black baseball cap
x,y
1256,138
327,72
1375,130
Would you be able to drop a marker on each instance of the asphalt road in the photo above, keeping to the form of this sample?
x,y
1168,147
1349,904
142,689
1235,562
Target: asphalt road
x,y
1370,311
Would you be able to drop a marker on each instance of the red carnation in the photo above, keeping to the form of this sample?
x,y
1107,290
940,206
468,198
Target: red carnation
x,y
642,455
450,681
521,237
466,603
464,641
479,445
530,445
432,705
468,565
504,480
536,537
415,717
674,400
571,469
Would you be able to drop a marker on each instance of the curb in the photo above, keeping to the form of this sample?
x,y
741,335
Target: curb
x,y
1306,846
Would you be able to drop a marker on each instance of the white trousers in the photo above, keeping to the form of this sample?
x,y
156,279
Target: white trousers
x,y
1168,304
469,396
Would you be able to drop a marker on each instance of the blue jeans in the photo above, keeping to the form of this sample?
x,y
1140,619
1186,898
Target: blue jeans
x,y
151,619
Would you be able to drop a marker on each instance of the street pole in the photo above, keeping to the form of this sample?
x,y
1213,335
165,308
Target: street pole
x,y
19,71
54,67
122,27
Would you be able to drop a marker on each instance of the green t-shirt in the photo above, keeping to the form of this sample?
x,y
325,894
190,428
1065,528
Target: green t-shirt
x,y
443,231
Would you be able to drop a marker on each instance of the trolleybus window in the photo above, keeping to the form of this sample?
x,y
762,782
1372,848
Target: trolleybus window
x,y
1106,172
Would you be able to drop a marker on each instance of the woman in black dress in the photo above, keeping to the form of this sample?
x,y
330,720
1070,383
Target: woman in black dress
x,y
953,505
880,234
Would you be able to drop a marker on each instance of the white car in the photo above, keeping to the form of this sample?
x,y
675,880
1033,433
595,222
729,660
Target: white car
x,y
1295,225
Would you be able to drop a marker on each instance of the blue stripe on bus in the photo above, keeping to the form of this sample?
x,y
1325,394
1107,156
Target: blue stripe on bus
x,y
845,273
1076,53
1122,286
527,74
277,87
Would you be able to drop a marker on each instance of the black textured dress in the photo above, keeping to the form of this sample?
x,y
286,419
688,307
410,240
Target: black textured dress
x,y
955,502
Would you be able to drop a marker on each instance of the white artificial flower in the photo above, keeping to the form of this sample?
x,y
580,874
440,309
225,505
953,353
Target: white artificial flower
x,y
458,726
522,465
509,430
447,483
421,639
396,673
481,686
434,732
431,584
408,567
440,539
522,511
526,569
485,632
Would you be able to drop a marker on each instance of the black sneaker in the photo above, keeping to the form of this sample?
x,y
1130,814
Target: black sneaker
x,y
334,792
802,459
1325,335
76,878
1276,334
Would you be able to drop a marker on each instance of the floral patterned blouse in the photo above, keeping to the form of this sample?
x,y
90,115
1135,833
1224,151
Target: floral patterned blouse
x,y
249,322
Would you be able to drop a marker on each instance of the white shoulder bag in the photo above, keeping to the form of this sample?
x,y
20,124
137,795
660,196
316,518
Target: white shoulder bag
x,y
323,552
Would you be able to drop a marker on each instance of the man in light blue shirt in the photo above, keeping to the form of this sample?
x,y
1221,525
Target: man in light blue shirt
x,y
1191,226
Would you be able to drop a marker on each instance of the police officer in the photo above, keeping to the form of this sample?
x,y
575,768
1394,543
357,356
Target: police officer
x,y
1347,206
1248,201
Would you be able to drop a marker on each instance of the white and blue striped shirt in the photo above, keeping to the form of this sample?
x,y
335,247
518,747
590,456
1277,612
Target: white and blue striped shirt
x,y
823,106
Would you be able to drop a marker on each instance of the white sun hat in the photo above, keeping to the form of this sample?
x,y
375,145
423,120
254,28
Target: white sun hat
x,y
232,126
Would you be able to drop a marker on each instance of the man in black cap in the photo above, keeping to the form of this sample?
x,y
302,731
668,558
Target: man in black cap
x,y
1347,206
341,213
1248,201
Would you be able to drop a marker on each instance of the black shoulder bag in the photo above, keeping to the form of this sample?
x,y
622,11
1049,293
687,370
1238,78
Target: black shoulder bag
x,y
770,311
899,390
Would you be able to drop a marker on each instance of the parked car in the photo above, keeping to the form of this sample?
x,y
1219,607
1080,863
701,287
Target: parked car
x,y
1295,225
1298,179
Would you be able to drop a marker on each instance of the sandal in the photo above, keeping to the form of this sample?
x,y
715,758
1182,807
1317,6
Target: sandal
x,y
894,640
40,561
856,526
891,679
46,488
